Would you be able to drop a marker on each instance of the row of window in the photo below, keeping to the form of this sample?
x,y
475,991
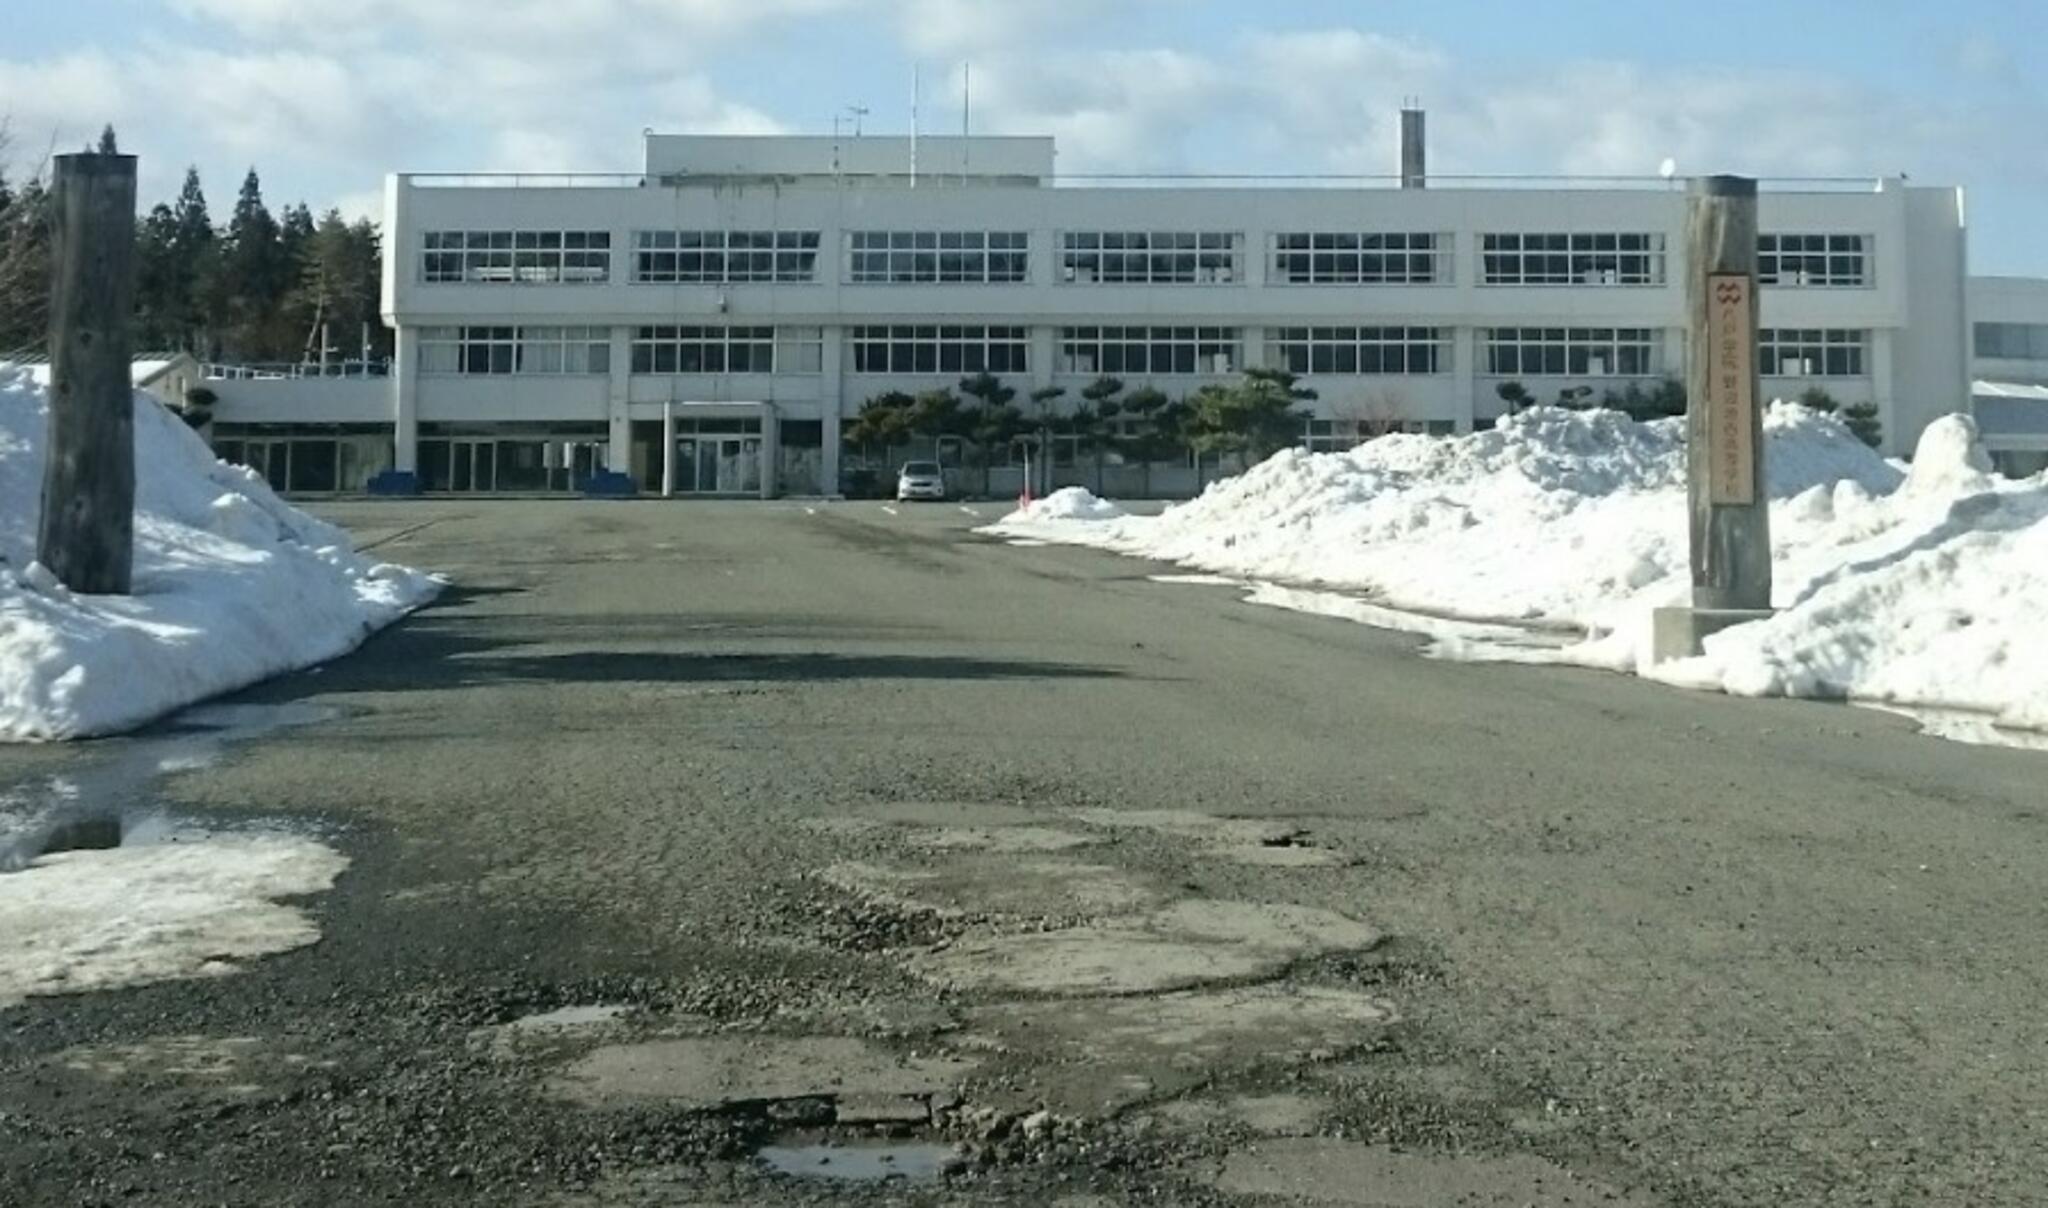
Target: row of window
x,y
722,257
1114,258
1122,351
2013,341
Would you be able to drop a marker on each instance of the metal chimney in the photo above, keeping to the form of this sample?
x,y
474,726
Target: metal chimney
x,y
1413,150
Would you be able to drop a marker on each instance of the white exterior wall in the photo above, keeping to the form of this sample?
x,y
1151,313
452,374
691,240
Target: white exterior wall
x,y
2022,300
1913,306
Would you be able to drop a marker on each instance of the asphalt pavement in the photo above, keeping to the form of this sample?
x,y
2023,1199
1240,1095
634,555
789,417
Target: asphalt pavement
x,y
852,827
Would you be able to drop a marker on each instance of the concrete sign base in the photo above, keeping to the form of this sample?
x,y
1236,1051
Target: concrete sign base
x,y
1679,633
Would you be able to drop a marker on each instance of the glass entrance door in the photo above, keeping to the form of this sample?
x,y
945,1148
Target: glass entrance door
x,y
473,465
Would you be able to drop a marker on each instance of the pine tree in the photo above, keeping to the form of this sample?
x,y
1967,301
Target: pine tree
x,y
25,269
253,275
195,277
107,146
161,301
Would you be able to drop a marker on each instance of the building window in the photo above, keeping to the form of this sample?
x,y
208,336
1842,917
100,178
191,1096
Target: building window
x,y
2012,341
1151,258
1346,351
517,257
947,350
703,350
1572,259
1573,352
1810,352
799,350
725,257
1812,261
490,351
1345,258
938,257
1141,351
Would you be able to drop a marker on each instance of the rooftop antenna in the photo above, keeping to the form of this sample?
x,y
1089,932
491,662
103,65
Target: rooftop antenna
x,y
858,112
966,116
914,91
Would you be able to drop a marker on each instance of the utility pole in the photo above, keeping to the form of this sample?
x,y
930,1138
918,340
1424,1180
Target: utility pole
x,y
86,535
1725,482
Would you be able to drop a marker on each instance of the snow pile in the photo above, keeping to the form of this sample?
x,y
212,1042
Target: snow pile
x,y
1934,595
94,920
1069,503
1924,590
231,586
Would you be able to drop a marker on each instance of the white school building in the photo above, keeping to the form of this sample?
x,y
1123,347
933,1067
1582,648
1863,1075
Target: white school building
x,y
736,303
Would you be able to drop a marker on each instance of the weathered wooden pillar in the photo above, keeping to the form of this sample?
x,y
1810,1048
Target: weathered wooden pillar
x,y
1725,483
87,530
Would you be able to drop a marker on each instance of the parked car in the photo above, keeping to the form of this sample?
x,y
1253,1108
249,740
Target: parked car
x,y
920,480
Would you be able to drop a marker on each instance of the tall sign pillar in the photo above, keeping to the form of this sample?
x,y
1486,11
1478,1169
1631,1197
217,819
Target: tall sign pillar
x,y
1725,485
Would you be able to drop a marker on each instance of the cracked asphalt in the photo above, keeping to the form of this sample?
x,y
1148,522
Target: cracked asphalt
x,y
1117,891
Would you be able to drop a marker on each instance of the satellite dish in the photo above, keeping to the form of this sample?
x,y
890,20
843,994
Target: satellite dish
x,y
1668,169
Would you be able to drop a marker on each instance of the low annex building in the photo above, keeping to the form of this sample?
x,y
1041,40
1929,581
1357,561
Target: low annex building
x,y
713,322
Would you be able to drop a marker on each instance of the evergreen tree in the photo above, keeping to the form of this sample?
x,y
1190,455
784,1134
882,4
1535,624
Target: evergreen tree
x,y
193,287
253,276
161,302
107,146
25,269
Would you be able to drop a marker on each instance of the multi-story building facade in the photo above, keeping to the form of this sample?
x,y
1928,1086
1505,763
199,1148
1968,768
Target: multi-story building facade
x,y
2009,364
740,300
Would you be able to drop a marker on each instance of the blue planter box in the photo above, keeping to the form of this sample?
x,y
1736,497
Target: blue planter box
x,y
399,483
608,484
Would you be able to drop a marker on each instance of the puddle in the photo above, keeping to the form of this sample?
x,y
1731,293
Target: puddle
x,y
1961,725
913,1162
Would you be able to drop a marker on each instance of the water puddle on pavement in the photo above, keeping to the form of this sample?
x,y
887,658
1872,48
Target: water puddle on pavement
x,y
860,1163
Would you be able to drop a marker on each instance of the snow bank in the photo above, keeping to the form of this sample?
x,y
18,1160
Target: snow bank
x,y
1926,589
232,585
1069,503
94,920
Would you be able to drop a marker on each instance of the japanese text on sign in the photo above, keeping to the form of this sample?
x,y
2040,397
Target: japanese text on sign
x,y
1731,390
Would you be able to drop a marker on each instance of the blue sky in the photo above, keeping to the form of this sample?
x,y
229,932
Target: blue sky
x,y
325,99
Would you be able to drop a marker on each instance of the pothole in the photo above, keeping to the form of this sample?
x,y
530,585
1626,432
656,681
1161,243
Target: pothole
x,y
1259,841
1175,1042
984,883
711,1073
1336,1172
862,1162
1187,944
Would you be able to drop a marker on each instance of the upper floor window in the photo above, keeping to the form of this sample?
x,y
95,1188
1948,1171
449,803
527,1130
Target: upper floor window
x,y
504,350
1810,352
938,257
946,349
1574,258
1347,258
1572,352
1815,261
1356,350
1150,350
703,350
516,257
2013,341
724,257
1151,258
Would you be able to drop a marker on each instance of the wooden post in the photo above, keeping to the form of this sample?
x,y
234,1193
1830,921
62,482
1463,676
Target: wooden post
x,y
87,532
1725,483
1731,532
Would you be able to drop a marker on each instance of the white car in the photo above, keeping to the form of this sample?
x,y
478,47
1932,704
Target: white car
x,y
920,480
